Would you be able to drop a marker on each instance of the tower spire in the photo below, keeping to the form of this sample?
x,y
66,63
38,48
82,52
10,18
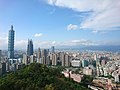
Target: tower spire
x,y
11,27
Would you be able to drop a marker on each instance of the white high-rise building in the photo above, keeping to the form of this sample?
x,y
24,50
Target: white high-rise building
x,y
25,59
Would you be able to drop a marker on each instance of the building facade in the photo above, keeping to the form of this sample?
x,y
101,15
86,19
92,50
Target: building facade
x,y
52,49
30,48
11,43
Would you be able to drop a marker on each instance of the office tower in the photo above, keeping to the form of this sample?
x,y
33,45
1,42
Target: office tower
x,y
39,53
30,48
85,63
39,58
48,60
63,59
11,43
52,49
44,52
43,60
67,60
44,55
54,59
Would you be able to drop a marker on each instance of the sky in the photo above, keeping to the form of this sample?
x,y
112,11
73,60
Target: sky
x,y
60,22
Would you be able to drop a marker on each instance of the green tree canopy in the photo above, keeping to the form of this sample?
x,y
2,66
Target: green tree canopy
x,y
38,77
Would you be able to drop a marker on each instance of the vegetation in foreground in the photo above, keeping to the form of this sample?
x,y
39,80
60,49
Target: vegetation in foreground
x,y
38,77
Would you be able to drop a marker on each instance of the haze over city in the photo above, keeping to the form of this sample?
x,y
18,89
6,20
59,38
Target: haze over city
x,y
60,22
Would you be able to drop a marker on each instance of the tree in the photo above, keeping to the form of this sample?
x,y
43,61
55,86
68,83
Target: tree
x,y
38,77
49,87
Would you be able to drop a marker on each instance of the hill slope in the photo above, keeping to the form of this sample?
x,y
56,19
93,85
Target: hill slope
x,y
38,77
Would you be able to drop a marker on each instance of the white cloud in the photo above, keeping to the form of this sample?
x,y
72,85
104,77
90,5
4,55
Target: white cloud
x,y
52,1
21,44
76,41
83,42
99,31
38,35
105,13
72,27
78,5
54,42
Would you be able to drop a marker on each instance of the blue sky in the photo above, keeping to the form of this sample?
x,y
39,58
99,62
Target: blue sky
x,y
60,22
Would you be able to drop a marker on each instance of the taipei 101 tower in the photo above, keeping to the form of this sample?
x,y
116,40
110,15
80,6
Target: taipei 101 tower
x,y
11,43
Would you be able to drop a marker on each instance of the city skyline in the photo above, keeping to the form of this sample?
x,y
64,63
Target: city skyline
x,y
60,23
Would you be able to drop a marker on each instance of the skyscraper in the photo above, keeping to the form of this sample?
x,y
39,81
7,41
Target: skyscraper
x,y
11,43
54,59
67,60
62,58
52,49
44,55
30,48
39,58
39,53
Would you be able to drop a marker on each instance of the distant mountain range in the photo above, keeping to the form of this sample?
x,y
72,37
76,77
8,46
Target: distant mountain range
x,y
113,48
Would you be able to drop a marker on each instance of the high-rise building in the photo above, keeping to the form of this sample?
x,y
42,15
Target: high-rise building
x,y
85,63
67,60
44,55
39,53
39,58
52,49
62,56
30,48
11,43
25,59
44,52
54,59
48,60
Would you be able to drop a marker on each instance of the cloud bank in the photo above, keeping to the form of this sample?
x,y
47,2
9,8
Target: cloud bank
x,y
105,13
